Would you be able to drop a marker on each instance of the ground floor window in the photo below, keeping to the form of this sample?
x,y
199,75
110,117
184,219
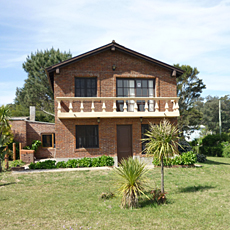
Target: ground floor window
x,y
48,140
144,129
87,136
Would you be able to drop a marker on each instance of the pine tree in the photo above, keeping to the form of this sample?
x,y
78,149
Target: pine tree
x,y
37,90
189,89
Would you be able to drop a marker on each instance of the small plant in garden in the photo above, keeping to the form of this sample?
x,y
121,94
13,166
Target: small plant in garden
x,y
107,195
17,163
131,181
158,196
34,146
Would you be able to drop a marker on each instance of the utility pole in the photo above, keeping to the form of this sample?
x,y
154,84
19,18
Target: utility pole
x,y
220,115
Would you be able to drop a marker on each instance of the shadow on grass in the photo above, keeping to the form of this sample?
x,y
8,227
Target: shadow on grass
x,y
195,188
209,162
7,184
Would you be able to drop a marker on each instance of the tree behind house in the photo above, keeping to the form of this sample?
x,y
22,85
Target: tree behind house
x,y
36,90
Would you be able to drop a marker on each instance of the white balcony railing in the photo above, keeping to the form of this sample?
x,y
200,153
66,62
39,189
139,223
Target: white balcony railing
x,y
84,107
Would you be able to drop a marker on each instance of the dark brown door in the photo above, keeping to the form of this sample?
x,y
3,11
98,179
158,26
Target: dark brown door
x,y
124,142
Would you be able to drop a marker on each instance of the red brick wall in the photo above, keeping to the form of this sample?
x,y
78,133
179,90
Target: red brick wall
x,y
100,66
27,131
18,128
107,128
34,131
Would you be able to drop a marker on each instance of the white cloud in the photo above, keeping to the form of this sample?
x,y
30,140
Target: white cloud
x,y
196,33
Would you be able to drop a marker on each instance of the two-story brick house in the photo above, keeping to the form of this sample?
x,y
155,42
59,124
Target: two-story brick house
x,y
105,99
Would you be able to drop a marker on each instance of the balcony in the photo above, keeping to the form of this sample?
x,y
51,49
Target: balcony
x,y
117,107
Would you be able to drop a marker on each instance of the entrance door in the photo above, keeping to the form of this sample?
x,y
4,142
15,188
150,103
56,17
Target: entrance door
x,y
124,142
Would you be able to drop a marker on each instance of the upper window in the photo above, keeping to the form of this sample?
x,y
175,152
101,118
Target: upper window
x,y
87,136
48,140
135,88
85,87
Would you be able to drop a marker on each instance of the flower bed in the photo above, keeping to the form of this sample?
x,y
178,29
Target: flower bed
x,y
74,163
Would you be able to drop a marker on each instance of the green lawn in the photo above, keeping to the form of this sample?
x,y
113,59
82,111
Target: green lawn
x,y
198,198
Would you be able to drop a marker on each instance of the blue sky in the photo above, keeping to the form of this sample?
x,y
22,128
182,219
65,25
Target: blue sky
x,y
195,33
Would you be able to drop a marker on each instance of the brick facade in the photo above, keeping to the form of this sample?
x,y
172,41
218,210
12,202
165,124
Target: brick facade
x,y
26,131
100,66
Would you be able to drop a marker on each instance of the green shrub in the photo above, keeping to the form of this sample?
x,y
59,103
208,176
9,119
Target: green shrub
x,y
85,162
184,146
74,163
201,158
96,162
106,161
61,164
17,163
226,149
34,146
212,144
49,164
188,158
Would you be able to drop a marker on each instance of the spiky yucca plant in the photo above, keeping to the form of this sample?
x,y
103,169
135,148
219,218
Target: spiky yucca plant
x,y
161,142
131,181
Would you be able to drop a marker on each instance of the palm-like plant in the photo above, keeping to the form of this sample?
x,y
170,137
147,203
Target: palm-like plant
x,y
162,142
131,181
6,137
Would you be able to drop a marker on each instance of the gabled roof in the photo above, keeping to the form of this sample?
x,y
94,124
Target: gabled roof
x,y
111,46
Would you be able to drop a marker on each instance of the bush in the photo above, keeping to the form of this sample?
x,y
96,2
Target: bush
x,y
212,144
17,163
184,146
188,158
74,163
201,158
49,164
61,164
34,146
226,149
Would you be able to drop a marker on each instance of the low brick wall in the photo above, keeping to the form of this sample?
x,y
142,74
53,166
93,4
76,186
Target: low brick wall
x,y
27,156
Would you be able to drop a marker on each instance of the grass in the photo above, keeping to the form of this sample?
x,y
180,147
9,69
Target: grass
x,y
198,198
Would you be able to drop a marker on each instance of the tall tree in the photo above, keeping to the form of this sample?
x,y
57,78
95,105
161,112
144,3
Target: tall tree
x,y
36,90
210,109
189,89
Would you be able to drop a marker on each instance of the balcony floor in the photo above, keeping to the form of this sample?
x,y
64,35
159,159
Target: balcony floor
x,y
67,115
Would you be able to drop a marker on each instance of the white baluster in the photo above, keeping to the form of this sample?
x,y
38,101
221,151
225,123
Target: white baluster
x,y
135,106
70,107
176,106
82,107
156,106
59,106
125,106
146,106
103,107
93,108
166,106
114,106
